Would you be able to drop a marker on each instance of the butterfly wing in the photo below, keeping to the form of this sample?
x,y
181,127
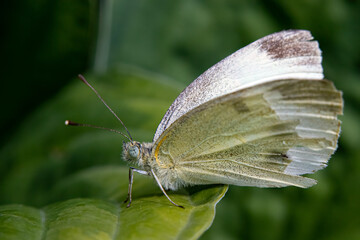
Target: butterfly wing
x,y
284,55
264,136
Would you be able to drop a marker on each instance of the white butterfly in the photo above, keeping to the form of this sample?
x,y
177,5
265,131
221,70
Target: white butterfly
x,y
261,117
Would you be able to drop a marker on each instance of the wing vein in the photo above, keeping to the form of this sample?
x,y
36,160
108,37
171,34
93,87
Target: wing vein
x,y
230,160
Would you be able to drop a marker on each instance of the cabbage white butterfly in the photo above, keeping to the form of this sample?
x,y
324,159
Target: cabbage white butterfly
x,y
261,117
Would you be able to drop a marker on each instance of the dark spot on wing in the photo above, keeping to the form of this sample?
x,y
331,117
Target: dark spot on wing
x,y
286,158
289,44
240,106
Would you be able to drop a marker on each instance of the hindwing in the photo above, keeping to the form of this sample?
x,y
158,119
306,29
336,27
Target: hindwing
x,y
264,136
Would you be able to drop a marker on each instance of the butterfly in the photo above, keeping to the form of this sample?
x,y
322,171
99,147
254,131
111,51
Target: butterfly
x,y
262,117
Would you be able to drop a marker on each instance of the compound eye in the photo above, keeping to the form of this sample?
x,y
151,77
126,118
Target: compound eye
x,y
134,151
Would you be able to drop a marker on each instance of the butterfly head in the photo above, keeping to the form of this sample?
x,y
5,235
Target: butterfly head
x,y
132,151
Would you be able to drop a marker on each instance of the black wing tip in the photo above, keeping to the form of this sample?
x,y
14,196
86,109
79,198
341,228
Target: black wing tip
x,y
290,44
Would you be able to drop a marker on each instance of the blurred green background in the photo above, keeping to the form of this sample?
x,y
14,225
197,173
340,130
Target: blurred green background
x,y
45,44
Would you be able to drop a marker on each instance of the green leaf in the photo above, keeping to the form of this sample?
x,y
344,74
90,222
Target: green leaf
x,y
151,217
79,171
20,222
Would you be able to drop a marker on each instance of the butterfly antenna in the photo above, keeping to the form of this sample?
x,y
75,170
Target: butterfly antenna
x,y
71,123
82,78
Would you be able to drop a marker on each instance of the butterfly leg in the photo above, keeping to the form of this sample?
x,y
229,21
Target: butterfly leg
x,y
131,179
163,190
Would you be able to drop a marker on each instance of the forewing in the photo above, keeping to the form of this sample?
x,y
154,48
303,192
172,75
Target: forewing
x,y
284,55
263,136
